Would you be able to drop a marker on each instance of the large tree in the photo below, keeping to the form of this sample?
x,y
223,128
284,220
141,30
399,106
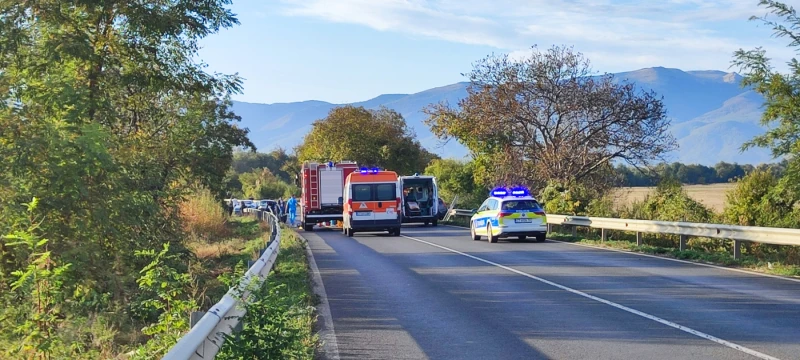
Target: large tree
x,y
370,137
106,115
547,117
781,111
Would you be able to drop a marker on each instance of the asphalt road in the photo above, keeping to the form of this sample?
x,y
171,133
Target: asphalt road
x,y
433,293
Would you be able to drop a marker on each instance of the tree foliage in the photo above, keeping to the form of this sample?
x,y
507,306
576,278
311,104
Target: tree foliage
x,y
262,184
457,178
774,199
107,117
547,118
694,174
370,137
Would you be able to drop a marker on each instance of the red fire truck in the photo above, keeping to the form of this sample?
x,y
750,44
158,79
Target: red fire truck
x,y
323,185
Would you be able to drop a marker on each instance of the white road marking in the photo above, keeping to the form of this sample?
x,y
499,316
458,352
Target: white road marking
x,y
743,271
607,302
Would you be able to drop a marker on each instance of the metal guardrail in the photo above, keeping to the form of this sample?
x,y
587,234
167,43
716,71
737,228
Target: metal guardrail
x,y
759,234
206,337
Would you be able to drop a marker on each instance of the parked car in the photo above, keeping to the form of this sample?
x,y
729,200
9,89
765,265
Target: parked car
x,y
250,204
266,204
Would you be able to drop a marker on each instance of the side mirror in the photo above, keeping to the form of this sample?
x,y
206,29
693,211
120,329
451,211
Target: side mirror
x,y
474,211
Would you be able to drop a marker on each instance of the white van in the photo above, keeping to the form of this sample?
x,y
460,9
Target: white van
x,y
420,199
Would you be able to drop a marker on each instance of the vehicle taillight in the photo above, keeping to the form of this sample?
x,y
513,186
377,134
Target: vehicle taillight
x,y
398,203
350,206
504,213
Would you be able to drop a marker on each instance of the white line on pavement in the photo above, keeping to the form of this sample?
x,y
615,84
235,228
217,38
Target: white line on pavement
x,y
743,271
610,303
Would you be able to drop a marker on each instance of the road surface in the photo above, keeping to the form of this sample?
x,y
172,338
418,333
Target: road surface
x,y
433,293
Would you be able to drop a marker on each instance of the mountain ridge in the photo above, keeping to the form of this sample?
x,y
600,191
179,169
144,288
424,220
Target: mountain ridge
x,y
711,114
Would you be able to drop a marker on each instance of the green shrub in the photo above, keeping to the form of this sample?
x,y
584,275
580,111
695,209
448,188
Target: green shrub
x,y
566,198
669,203
203,215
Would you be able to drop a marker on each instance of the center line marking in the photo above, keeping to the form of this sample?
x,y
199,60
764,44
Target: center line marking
x,y
610,303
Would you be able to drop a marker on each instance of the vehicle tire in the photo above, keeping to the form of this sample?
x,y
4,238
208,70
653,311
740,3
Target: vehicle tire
x,y
521,237
492,238
396,232
541,237
349,232
427,223
475,236
435,222
307,227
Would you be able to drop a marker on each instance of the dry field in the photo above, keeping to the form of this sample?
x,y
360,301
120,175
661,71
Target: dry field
x,y
712,195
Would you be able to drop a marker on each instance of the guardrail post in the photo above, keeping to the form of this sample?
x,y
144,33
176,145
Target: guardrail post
x,y
194,317
603,235
682,245
574,231
737,249
639,240
549,228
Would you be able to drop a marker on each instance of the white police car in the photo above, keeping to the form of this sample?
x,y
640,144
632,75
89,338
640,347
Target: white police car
x,y
509,213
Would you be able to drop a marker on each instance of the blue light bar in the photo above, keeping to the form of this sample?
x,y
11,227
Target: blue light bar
x,y
375,170
499,192
330,164
520,191
364,170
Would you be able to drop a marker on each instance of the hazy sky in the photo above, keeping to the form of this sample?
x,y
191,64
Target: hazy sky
x,y
352,50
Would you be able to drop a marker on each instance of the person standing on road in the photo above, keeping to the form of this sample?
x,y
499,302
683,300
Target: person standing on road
x,y
291,209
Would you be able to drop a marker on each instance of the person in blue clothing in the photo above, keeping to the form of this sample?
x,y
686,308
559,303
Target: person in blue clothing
x,y
291,209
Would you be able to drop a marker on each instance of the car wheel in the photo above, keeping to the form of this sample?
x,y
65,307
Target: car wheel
x,y
427,223
349,232
541,237
475,236
435,222
490,235
521,237
308,227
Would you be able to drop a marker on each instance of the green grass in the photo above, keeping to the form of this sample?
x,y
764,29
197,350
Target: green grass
x,y
715,256
280,318
220,257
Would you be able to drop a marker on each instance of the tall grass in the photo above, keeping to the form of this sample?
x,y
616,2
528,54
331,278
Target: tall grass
x,y
203,216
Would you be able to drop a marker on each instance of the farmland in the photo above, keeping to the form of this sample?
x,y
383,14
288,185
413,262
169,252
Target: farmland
x,y
713,195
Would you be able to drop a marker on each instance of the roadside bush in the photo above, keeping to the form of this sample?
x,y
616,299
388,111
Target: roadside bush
x,y
566,198
762,199
203,216
602,207
669,203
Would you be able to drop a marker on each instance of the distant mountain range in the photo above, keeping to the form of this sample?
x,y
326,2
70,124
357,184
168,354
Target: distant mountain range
x,y
712,115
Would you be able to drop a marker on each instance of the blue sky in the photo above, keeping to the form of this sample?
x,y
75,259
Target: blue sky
x,y
352,50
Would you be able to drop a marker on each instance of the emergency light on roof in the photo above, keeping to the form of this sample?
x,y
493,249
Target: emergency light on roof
x,y
365,171
499,192
330,164
503,192
520,191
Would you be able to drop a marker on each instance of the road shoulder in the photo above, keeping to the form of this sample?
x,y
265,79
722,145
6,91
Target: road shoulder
x,y
328,347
